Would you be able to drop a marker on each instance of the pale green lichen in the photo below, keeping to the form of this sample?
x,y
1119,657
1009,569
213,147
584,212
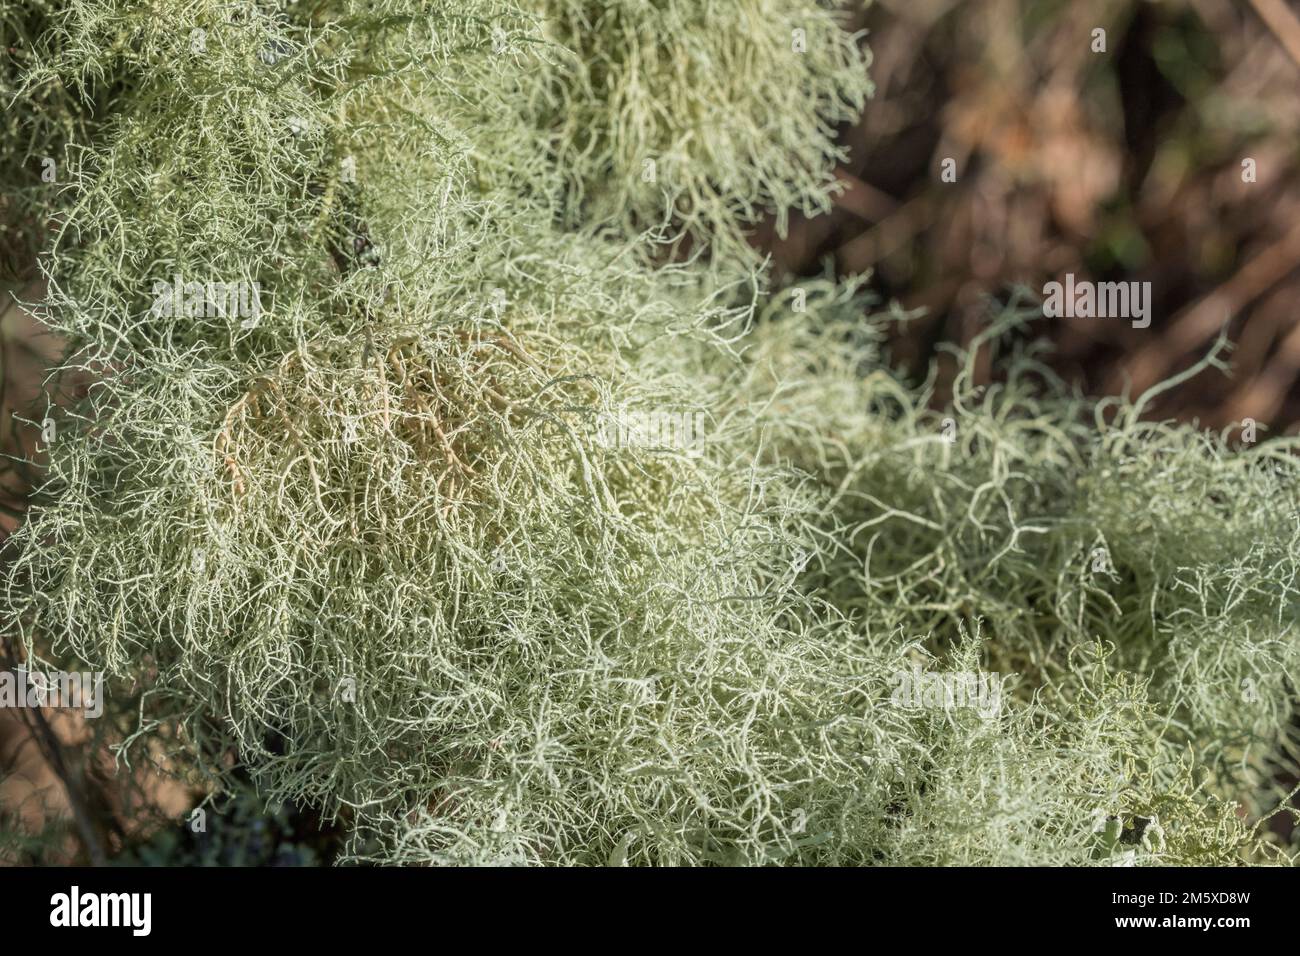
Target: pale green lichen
x,y
372,543
705,116
1060,523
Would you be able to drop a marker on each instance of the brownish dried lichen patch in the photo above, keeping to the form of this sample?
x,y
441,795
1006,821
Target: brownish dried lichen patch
x,y
420,412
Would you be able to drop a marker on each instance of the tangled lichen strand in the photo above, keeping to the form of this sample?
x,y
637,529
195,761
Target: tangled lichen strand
x,y
442,408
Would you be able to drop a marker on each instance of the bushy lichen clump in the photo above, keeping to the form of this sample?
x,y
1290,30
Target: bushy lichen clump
x,y
38,121
368,535
1057,521
714,113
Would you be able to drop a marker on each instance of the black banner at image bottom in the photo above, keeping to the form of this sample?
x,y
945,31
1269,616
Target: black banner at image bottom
x,y
331,906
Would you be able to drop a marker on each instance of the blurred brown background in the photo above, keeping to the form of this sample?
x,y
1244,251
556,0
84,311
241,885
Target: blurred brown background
x,y
1116,165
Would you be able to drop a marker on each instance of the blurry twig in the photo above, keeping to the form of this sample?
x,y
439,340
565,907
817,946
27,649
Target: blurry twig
x,y
51,749
862,199
1285,25
864,251
1195,324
